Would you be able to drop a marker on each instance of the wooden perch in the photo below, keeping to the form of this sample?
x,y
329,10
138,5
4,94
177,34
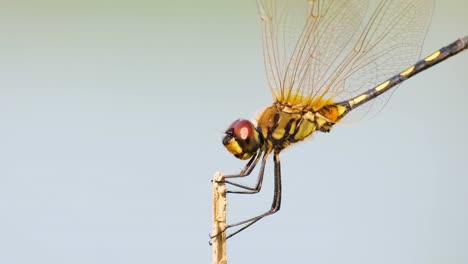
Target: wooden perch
x,y
219,220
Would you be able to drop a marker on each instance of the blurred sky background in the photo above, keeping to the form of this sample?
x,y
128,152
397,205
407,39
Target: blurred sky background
x,y
111,118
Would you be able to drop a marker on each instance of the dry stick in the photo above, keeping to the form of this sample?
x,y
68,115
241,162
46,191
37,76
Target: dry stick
x,y
219,220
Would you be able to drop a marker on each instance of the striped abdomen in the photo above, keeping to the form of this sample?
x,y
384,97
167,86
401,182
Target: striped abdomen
x,y
436,57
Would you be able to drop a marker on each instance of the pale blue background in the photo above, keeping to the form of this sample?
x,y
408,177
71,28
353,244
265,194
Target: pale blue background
x,y
111,118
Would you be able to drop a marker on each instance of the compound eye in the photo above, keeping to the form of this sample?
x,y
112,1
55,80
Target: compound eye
x,y
243,129
242,139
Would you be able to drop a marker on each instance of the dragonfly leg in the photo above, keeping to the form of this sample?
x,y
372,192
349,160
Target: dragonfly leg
x,y
258,185
248,168
275,206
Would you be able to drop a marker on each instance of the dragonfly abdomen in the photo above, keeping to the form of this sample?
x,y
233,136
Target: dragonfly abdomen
x,y
435,58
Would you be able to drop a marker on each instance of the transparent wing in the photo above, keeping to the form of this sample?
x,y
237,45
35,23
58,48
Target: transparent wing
x,y
318,50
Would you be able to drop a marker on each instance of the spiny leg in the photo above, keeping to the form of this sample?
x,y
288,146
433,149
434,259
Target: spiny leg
x,y
248,168
245,172
258,185
275,206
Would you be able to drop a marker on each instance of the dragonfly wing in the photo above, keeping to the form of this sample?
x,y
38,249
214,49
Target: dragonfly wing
x,y
389,42
321,51
297,43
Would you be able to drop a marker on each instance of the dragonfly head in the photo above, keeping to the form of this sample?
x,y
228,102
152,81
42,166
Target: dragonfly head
x,y
242,139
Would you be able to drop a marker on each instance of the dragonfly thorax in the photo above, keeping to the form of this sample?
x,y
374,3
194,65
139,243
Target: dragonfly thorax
x,y
281,125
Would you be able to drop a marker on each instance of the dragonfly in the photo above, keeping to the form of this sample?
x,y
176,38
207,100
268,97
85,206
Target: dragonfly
x,y
325,59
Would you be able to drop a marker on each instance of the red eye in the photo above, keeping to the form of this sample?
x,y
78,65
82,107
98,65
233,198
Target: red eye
x,y
243,129
242,139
